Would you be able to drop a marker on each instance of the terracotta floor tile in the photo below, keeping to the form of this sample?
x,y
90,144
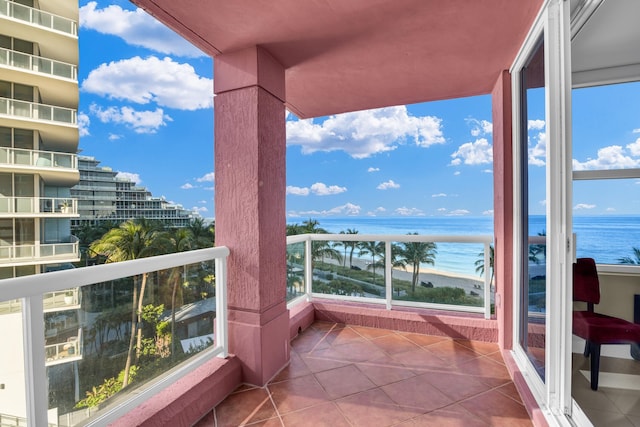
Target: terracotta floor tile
x,y
323,415
423,340
421,360
510,390
498,410
208,420
417,393
344,381
342,336
319,364
453,352
308,341
374,408
486,370
327,326
297,393
479,347
246,407
455,385
358,351
451,416
271,422
370,333
296,368
382,374
393,344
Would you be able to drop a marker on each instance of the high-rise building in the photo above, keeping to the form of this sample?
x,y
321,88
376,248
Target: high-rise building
x,y
38,167
38,134
104,197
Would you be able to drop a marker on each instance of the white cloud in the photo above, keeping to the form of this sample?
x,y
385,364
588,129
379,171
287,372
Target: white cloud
x,y
442,210
133,177
346,209
320,189
387,185
458,212
404,211
163,81
373,169
297,191
137,28
634,148
209,177
83,124
480,127
538,151
487,170
610,209
200,209
139,121
536,124
612,157
582,206
636,130
439,195
488,212
114,137
456,173
364,133
376,211
202,202
473,153
187,186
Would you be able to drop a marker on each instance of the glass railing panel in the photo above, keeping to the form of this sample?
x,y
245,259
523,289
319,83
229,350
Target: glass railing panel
x,y
295,270
360,275
23,157
176,323
25,205
439,273
37,111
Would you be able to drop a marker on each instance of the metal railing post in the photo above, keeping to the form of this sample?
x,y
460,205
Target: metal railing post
x,y
222,335
308,267
388,274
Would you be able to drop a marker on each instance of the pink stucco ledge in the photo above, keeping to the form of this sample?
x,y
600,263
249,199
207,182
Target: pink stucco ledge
x,y
188,399
301,316
432,322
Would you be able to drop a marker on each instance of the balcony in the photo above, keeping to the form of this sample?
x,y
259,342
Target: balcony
x,y
59,80
320,354
62,348
40,254
52,166
63,207
38,18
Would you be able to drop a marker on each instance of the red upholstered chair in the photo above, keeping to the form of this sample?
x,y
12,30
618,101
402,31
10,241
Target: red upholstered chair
x,y
596,328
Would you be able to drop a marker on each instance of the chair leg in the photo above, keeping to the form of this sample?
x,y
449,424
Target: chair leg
x,y
586,348
594,349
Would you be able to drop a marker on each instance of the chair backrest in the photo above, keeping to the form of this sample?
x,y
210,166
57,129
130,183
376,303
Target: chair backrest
x,y
586,286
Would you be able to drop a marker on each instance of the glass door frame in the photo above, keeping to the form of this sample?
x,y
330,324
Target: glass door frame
x,y
554,394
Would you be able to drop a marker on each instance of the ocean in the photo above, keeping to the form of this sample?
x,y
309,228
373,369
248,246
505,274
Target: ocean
x,y
604,238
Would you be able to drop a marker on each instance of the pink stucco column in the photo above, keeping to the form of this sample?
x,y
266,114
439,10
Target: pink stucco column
x,y
250,181
503,207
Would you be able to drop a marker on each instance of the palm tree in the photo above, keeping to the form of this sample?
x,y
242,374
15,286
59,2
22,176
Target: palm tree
x,y
349,245
629,260
416,253
376,250
180,239
202,235
133,239
480,262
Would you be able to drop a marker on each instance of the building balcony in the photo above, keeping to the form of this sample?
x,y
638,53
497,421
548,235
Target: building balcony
x,y
38,17
62,347
43,253
53,167
58,80
63,207
58,126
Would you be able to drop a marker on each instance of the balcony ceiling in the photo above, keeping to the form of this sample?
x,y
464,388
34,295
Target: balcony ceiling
x,y
347,55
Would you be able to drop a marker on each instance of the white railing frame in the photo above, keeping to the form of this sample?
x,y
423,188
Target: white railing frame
x,y
60,206
388,239
30,289
10,12
33,60
34,111
35,155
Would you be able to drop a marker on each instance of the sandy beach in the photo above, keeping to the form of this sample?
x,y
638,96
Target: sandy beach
x,y
436,277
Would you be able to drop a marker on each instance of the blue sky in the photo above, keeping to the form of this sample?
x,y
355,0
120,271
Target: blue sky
x,y
146,110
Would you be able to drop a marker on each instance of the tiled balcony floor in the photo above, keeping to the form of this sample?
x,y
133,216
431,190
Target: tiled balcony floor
x,y
353,376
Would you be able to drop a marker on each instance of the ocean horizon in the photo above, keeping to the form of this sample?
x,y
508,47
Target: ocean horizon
x,y
606,238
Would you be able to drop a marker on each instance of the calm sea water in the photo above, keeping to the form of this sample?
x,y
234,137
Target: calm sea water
x,y
604,238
